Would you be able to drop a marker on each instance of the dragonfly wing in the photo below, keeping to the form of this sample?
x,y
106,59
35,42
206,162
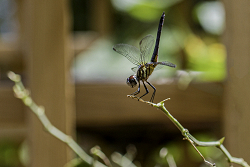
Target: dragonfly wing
x,y
158,67
166,63
162,64
130,52
145,47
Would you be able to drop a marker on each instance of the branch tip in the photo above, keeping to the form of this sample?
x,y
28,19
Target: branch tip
x,y
14,77
165,99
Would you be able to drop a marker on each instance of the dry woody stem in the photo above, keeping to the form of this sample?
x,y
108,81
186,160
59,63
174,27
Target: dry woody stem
x,y
194,141
22,93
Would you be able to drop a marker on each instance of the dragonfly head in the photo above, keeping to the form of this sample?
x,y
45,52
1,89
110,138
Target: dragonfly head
x,y
131,81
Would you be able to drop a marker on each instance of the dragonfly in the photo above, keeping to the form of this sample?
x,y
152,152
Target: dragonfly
x,y
141,58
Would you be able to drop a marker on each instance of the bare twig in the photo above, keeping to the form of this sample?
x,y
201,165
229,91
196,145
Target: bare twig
x,y
73,162
192,140
98,152
122,160
22,93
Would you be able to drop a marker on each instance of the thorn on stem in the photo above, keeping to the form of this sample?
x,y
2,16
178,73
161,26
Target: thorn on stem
x,y
222,140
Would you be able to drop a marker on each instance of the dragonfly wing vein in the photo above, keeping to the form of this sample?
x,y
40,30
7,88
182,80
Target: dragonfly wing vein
x,y
145,47
166,63
130,52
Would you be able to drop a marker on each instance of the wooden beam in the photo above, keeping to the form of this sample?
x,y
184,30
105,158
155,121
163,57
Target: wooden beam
x,y
12,112
46,49
237,90
107,105
101,11
10,59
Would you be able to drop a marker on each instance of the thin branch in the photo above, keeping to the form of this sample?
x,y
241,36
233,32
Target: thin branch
x,y
193,140
98,152
73,162
194,145
23,94
121,160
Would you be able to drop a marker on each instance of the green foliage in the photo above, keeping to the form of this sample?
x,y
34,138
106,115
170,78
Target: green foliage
x,y
8,154
144,10
172,152
210,59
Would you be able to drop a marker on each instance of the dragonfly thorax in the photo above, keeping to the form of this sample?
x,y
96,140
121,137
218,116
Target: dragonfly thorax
x,y
131,81
144,71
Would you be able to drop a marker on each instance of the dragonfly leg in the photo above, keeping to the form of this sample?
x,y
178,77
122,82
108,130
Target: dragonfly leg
x,y
138,91
145,89
153,95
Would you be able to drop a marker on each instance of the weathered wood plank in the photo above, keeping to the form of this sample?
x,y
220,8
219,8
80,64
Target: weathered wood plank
x,y
47,51
107,104
237,91
11,109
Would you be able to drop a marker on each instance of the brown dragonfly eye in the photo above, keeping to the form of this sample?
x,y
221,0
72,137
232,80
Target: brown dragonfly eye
x,y
131,81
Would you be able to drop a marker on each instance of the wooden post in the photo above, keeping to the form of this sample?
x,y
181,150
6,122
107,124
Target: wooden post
x,y
47,51
237,91
102,14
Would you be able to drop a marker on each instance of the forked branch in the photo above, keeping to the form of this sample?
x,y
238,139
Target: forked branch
x,y
193,140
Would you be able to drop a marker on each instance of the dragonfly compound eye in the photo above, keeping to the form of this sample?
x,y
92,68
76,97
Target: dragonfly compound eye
x,y
131,81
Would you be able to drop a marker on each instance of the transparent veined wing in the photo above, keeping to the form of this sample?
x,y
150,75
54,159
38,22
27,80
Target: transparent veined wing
x,y
130,52
145,47
166,63
162,64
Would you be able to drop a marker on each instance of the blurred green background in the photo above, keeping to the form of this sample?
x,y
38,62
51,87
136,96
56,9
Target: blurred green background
x,y
190,39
